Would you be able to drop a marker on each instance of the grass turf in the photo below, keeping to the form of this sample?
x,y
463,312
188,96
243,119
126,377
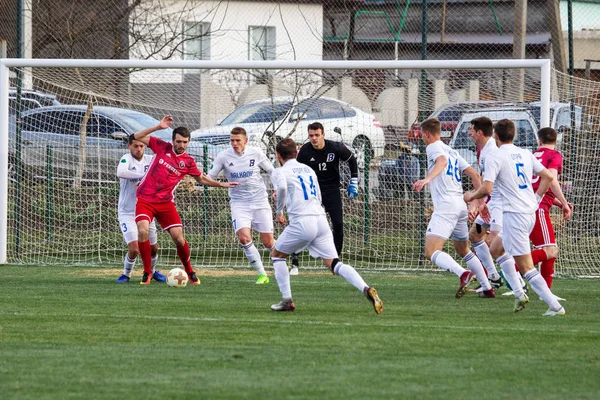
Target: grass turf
x,y
74,333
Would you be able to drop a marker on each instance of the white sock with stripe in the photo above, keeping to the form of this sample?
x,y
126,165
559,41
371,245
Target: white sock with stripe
x,y
128,265
349,273
282,276
539,285
483,252
475,267
253,257
507,263
444,261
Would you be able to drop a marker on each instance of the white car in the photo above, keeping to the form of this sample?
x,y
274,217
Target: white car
x,y
525,135
277,117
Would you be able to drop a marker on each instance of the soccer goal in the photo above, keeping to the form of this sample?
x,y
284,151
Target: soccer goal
x,y
63,124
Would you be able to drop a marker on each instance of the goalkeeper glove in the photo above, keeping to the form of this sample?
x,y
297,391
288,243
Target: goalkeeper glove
x,y
353,188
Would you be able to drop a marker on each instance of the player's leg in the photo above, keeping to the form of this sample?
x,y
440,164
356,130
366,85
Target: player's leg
x,y
538,284
169,219
323,246
295,264
293,238
477,237
261,221
245,237
183,252
144,213
333,205
517,244
153,236
130,236
475,266
543,239
438,231
510,275
459,236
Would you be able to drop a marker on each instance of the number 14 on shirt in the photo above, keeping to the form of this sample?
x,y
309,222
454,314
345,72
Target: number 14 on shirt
x,y
312,187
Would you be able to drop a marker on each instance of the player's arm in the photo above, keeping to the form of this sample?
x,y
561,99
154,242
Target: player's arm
x,y
474,205
441,162
142,135
484,190
548,181
123,171
280,184
346,155
216,168
205,180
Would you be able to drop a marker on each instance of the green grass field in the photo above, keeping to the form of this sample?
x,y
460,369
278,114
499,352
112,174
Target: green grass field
x,y
73,333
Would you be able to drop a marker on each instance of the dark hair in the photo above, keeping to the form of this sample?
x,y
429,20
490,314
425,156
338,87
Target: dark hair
x,y
547,135
431,125
238,130
483,124
316,125
131,138
182,131
287,148
505,129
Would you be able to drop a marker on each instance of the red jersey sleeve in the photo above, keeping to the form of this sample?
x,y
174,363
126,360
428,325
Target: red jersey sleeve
x,y
555,161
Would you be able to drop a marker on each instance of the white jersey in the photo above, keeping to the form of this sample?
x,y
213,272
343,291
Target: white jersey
x,y
243,168
130,171
511,170
446,188
303,197
487,152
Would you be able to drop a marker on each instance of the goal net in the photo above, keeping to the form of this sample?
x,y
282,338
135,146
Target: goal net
x,y
66,130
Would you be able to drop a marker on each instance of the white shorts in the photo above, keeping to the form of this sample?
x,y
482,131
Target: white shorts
x,y
310,232
515,233
130,231
449,226
257,217
495,224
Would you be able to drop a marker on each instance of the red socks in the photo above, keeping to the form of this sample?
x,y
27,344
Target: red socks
x,y
184,255
146,253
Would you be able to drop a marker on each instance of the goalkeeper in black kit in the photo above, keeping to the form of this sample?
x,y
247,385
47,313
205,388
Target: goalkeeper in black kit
x,y
324,157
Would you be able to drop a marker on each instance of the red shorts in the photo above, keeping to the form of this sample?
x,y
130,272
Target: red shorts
x,y
165,213
543,233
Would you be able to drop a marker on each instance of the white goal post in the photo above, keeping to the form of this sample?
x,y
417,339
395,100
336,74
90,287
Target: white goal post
x,y
543,65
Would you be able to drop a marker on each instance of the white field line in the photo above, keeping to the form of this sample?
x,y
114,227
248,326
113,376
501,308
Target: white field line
x,y
550,328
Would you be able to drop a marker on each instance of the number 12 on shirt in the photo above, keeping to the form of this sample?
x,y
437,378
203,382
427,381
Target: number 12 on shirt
x,y
312,187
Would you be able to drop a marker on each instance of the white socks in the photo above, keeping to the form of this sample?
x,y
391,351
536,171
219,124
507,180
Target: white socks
x,y
483,252
444,261
349,273
539,285
475,266
282,276
128,265
154,262
507,263
253,257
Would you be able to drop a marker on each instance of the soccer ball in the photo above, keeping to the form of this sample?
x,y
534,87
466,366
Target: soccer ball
x,y
177,278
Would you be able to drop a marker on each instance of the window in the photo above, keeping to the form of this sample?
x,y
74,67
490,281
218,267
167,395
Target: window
x,y
261,40
196,45
101,126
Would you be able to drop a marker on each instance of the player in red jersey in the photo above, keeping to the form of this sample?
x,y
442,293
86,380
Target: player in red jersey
x,y
155,193
542,236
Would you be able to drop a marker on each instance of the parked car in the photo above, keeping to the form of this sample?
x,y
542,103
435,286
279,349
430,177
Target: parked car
x,y
449,115
277,117
525,135
30,99
396,176
56,129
